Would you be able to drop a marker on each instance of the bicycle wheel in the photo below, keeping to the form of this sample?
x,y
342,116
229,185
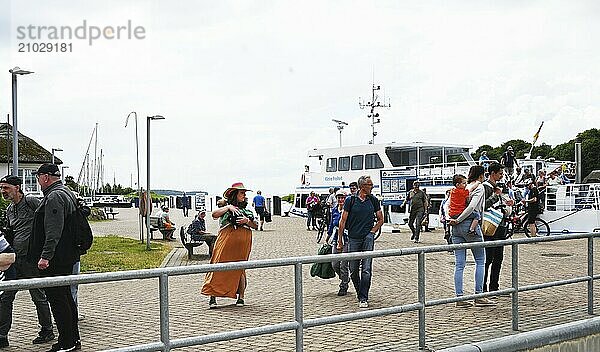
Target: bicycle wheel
x,y
320,230
542,227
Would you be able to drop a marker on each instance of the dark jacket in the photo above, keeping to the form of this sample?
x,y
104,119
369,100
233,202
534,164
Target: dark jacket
x,y
50,238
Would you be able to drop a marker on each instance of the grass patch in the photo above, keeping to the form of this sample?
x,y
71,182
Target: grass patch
x,y
112,253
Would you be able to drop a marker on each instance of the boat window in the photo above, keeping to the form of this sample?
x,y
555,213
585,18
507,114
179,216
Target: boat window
x,y
344,163
455,158
456,155
402,157
297,201
430,155
357,162
331,165
303,201
373,161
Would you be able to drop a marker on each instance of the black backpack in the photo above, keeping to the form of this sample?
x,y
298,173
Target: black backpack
x,y
79,226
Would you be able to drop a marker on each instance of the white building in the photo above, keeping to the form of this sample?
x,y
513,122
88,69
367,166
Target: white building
x,y
31,156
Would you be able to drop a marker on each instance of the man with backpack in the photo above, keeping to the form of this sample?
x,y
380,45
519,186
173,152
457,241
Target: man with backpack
x,y
19,217
358,217
53,245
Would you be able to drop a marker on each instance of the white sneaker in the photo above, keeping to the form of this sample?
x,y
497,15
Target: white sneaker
x,y
363,304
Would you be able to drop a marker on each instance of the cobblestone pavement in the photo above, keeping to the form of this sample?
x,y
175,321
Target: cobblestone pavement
x,y
125,313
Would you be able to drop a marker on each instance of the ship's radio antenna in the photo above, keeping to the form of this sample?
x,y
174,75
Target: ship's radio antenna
x,y
340,127
372,105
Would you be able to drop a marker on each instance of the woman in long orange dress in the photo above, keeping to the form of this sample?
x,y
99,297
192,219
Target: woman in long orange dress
x,y
233,244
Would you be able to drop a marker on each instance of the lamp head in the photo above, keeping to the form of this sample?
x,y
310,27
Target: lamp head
x,y
156,117
18,71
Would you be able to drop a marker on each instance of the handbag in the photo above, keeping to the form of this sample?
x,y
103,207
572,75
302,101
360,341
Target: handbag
x,y
491,220
267,216
323,270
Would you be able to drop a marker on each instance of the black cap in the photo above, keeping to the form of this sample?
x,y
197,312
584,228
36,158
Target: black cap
x,y
48,169
11,180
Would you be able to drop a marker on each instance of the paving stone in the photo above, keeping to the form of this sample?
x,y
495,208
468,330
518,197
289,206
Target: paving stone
x,y
119,314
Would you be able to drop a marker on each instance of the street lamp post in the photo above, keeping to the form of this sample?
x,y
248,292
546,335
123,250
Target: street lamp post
x,y
148,199
62,172
340,127
16,71
137,155
55,150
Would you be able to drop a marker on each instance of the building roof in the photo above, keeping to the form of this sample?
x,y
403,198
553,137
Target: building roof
x,y
29,150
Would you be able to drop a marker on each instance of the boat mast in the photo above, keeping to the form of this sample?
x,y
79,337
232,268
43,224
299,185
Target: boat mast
x,y
84,171
372,105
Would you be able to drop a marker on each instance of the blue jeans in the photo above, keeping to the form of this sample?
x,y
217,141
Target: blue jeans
x,y
458,237
361,279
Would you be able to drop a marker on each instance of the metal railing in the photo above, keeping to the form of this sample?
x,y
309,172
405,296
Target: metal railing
x,y
299,323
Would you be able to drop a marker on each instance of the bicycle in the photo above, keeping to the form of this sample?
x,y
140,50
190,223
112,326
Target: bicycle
x,y
517,222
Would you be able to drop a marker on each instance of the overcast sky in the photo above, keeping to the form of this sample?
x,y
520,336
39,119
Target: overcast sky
x,y
247,88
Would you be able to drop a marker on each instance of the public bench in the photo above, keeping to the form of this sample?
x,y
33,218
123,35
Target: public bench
x,y
156,226
209,238
110,211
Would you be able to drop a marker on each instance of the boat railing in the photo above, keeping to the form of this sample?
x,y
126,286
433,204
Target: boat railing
x,y
573,197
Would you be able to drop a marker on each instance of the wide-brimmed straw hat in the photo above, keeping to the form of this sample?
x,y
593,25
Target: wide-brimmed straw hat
x,y
235,186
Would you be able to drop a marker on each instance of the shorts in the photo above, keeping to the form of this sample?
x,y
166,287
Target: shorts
x,y
261,212
532,214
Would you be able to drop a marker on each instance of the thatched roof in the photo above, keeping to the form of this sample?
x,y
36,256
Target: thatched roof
x,y
29,150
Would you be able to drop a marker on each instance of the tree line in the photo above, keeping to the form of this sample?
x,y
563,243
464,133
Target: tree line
x,y
590,150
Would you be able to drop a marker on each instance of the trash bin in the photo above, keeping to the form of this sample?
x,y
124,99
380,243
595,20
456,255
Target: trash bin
x,y
276,205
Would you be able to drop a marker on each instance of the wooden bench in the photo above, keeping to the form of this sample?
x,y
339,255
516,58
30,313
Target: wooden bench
x,y
209,238
154,226
110,211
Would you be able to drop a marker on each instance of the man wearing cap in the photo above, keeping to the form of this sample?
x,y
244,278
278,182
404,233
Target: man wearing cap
x,y
52,246
19,216
509,161
166,223
340,267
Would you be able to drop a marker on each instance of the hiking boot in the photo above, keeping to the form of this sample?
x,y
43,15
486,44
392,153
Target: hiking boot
x,y
43,337
239,302
212,302
484,302
342,292
3,342
363,304
464,304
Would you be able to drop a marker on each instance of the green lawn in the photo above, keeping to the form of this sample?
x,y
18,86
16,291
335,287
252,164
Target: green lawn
x,y
112,253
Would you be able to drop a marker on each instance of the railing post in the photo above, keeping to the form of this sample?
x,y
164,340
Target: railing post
x,y
421,294
163,291
515,285
298,307
590,272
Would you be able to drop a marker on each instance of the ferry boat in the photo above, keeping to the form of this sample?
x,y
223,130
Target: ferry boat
x,y
394,167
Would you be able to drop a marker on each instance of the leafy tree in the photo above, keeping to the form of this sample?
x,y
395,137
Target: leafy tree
x,y
289,198
590,145
542,150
